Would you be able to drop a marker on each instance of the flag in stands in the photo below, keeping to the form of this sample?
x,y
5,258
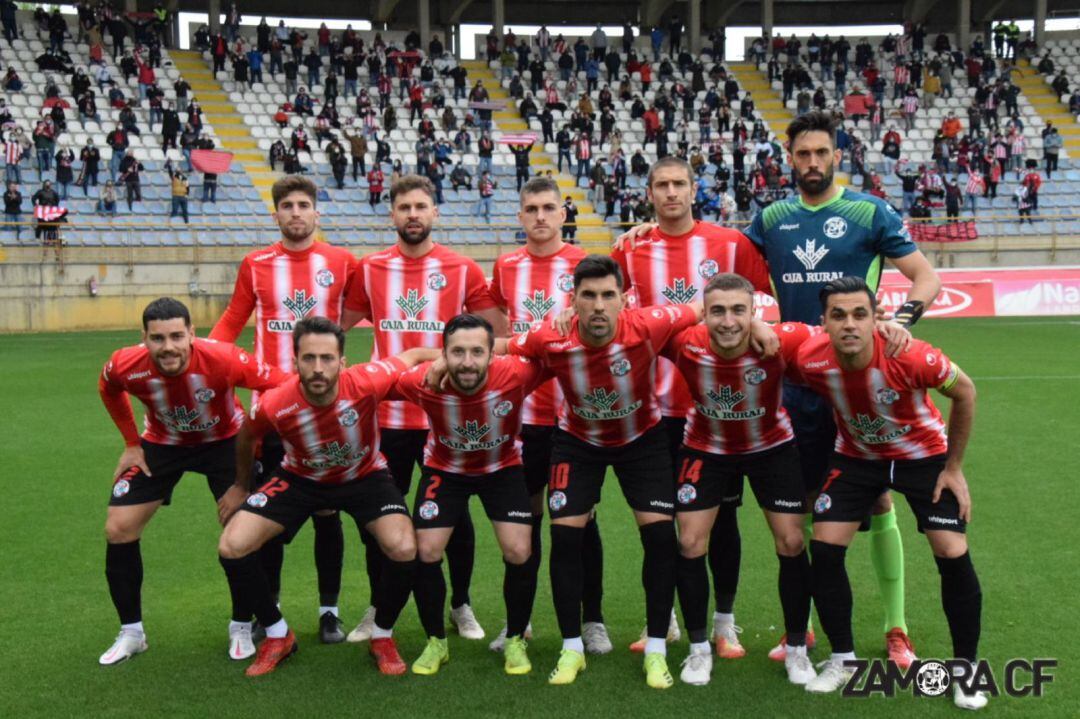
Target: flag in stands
x,y
518,138
215,162
48,213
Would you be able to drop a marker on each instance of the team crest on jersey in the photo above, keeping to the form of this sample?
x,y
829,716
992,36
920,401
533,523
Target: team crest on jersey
x,y
620,367
822,503
428,510
835,227
931,359
887,395
679,293
324,278
121,488
565,282
658,313
204,394
436,281
257,500
503,408
707,268
687,494
349,417
557,501
755,376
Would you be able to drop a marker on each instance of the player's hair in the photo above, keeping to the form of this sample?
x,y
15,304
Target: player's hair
x,y
293,183
467,321
317,326
408,183
846,286
165,308
596,267
813,121
669,161
537,185
725,281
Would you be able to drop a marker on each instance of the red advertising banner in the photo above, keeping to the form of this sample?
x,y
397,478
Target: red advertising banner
x,y
947,232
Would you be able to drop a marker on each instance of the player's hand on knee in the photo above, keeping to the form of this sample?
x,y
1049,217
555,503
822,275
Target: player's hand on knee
x,y
763,340
954,481
230,502
628,240
131,457
897,337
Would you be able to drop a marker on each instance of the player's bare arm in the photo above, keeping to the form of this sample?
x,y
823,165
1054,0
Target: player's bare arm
x,y
897,337
245,461
349,318
925,286
763,341
625,242
497,317
961,390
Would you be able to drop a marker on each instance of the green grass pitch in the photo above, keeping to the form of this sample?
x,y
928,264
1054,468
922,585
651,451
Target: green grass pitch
x,y
59,448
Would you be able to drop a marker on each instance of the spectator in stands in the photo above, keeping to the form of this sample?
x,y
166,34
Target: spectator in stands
x,y
303,104
277,154
65,159
170,126
240,67
993,174
179,193
8,9
194,115
435,173
358,150
1033,183
950,126
118,141
1052,144
375,180
90,157
292,165
12,82
890,149
1060,85
1074,102
128,119
298,141
209,187
520,152
909,183
335,154
46,196
292,71
382,150
1046,64
486,189
460,177
130,167
13,208
313,63
1024,205
106,204
953,198
975,188
189,138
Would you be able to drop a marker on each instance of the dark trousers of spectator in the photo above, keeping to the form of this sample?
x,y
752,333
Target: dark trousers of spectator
x,y
219,63
12,220
1051,163
522,177
134,192
179,207
991,189
582,168
359,167
373,198
168,140
569,164
590,84
209,192
569,231
10,31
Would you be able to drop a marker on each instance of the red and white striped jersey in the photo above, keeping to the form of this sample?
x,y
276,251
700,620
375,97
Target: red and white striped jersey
x,y
610,391
189,409
737,402
535,289
282,287
474,434
409,300
333,444
12,152
665,269
884,411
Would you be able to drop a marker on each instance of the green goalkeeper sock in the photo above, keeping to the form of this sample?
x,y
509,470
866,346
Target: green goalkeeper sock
x,y
887,556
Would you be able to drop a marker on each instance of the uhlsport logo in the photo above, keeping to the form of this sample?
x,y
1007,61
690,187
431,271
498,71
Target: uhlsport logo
x,y
557,501
679,293
412,304
429,510
835,227
299,304
810,254
686,494
934,677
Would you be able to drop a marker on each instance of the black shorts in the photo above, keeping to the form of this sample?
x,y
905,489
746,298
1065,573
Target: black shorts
x,y
167,463
536,456
815,432
642,467
403,449
853,485
289,499
443,497
708,480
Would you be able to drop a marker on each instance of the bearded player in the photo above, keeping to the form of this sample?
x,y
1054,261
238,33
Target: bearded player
x,y
191,421
296,277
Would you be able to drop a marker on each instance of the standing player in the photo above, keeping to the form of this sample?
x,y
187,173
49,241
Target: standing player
x,y
535,283
294,278
191,420
473,449
738,427
409,292
610,417
670,265
890,436
325,416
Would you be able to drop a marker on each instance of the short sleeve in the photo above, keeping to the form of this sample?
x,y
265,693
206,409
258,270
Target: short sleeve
x,y
926,366
792,335
756,231
477,295
619,255
664,322
259,421
381,375
750,263
891,235
498,295
407,385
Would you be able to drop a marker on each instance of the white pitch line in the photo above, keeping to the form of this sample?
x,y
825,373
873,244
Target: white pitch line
x,y
1003,378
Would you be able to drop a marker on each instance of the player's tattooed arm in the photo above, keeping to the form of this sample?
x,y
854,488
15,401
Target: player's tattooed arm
x,y
961,390
245,464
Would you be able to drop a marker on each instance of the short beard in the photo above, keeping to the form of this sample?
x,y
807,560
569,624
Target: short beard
x,y
416,238
815,187
289,234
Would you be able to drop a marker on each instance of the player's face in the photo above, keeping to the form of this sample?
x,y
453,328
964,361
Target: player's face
x,y
849,320
296,216
319,362
671,193
813,158
542,216
413,214
169,342
597,303
468,354
727,315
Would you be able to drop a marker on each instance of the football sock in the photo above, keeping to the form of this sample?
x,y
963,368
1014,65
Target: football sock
x,y
246,573
323,609
565,567
725,555
378,632
272,556
700,648
832,594
236,626
133,628
537,541
430,592
519,591
373,560
592,589
658,574
241,608
887,556
574,643
794,584
693,585
460,555
124,573
277,630
961,597
395,585
329,556
656,645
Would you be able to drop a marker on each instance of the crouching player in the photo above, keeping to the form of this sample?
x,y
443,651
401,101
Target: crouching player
x,y
325,417
891,436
